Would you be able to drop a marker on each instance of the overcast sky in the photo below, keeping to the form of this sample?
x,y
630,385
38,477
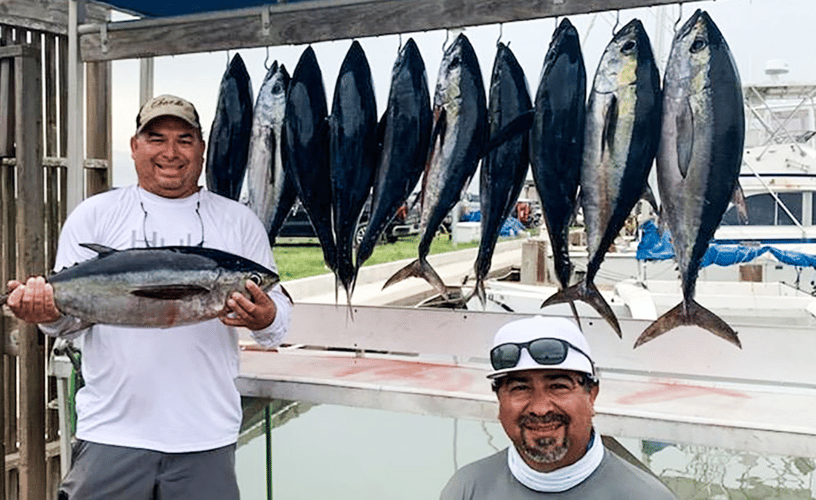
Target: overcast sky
x,y
756,30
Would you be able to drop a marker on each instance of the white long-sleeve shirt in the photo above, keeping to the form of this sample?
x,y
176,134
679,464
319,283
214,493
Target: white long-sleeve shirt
x,y
165,389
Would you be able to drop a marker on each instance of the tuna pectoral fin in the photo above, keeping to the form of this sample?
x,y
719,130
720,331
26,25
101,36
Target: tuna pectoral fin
x,y
692,314
586,293
172,292
419,269
519,126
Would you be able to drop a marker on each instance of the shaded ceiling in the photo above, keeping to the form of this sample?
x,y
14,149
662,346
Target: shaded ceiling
x,y
165,8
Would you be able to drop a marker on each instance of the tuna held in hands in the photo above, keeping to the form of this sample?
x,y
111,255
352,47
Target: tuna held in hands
x,y
154,287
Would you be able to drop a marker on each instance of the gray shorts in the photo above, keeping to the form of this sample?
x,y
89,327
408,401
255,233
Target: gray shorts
x,y
101,471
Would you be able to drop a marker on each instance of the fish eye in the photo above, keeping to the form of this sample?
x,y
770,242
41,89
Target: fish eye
x,y
698,45
256,278
455,63
628,47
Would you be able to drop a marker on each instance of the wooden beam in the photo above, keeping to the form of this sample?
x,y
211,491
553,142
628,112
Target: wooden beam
x,y
45,15
315,21
98,123
31,236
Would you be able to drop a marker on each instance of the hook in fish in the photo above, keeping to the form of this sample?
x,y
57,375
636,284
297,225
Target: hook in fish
x,y
501,32
266,61
617,22
447,35
679,16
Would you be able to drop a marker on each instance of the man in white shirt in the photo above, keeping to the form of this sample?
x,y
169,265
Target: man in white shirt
x,y
159,414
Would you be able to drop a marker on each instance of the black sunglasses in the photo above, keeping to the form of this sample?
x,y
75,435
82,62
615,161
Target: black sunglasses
x,y
545,351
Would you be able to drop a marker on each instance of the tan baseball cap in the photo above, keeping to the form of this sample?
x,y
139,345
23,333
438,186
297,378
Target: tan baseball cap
x,y
167,105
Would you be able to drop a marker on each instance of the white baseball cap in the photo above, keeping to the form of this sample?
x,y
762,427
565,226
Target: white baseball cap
x,y
578,358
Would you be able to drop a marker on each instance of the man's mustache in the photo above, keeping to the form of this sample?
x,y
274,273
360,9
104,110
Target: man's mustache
x,y
549,418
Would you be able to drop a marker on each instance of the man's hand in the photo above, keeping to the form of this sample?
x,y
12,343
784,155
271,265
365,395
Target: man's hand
x,y
32,302
255,314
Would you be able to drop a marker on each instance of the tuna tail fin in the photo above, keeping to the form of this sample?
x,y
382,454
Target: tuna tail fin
x,y
479,291
588,293
575,314
419,268
689,313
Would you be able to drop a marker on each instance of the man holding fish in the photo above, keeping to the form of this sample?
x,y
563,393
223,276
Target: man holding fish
x,y
159,414
545,380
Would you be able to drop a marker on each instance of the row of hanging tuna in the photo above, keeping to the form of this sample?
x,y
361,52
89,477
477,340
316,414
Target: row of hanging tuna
x,y
292,146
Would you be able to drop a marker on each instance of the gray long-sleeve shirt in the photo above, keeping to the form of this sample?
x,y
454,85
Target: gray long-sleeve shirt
x,y
614,479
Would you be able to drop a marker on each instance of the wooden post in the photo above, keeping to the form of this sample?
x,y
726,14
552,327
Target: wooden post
x,y
31,236
98,125
534,261
6,97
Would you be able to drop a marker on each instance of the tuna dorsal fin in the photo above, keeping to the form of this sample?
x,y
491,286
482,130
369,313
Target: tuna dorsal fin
x,y
100,249
518,126
685,128
169,292
610,125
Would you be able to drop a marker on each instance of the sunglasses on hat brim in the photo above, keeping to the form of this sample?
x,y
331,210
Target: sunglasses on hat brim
x,y
544,351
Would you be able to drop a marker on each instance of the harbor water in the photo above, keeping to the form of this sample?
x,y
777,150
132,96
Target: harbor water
x,y
348,453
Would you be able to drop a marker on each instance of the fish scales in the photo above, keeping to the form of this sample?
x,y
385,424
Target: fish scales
x,y
699,160
268,190
306,149
457,142
229,136
557,140
154,287
353,153
622,133
405,131
504,168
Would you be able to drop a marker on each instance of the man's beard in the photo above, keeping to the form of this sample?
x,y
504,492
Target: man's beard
x,y
546,450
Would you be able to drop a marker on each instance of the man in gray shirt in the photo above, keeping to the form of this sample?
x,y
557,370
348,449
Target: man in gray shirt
x,y
545,380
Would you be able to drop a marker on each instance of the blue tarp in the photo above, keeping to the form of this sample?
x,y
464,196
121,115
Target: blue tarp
x,y
654,246
511,226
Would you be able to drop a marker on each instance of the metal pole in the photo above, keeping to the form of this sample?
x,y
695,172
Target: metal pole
x,y
268,432
76,184
145,80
